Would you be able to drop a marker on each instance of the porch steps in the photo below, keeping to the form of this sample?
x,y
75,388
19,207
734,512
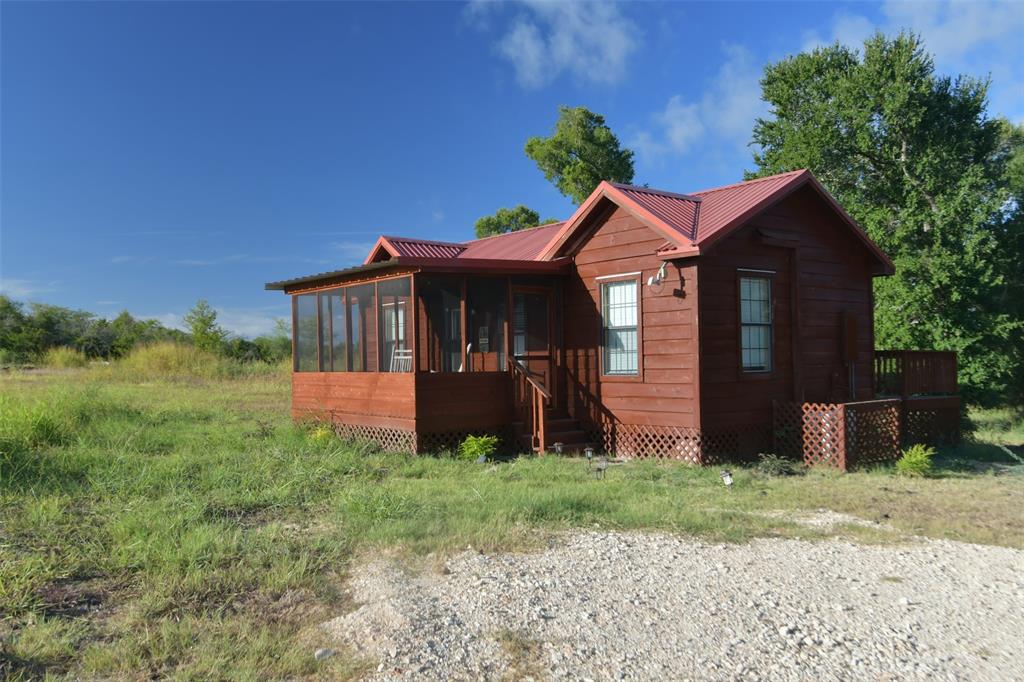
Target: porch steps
x,y
559,428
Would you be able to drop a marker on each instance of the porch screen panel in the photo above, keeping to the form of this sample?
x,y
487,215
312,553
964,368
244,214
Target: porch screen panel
x,y
362,349
756,324
619,315
339,331
325,333
395,319
442,299
486,312
305,333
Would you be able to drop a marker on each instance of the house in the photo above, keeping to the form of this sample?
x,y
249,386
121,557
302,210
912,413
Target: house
x,y
650,323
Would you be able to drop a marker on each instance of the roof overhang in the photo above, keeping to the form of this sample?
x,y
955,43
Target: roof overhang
x,y
382,250
803,179
380,270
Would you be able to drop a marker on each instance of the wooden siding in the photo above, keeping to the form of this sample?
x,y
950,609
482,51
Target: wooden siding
x,y
362,398
462,401
664,393
831,280
424,402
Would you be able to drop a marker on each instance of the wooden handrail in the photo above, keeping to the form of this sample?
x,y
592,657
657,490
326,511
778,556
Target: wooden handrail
x,y
533,410
528,376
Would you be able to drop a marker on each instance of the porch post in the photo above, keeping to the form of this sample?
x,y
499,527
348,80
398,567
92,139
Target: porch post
x,y
462,325
414,305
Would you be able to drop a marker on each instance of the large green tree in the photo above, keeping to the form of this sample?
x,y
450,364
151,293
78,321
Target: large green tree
x,y
508,220
916,160
581,153
201,322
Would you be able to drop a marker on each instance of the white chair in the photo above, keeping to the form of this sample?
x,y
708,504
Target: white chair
x,y
401,360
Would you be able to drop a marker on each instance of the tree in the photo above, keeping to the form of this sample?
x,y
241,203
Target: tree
x,y
277,345
914,158
581,153
509,220
20,340
202,325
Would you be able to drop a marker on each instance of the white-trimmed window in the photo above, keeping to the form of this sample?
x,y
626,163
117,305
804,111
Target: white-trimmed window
x,y
619,314
756,323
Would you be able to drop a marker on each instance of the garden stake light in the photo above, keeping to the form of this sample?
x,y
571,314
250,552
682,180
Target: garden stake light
x,y
727,478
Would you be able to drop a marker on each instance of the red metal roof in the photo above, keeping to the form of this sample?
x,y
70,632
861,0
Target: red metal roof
x,y
690,223
424,248
521,245
720,207
677,211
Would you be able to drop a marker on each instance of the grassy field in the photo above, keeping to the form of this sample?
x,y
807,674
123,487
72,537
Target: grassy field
x,y
154,527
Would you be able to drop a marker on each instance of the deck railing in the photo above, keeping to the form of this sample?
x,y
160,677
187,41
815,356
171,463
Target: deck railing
x,y
530,399
915,372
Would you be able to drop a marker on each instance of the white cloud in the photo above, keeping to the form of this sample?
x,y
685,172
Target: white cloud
x,y
725,113
27,288
976,38
592,41
123,260
248,323
953,29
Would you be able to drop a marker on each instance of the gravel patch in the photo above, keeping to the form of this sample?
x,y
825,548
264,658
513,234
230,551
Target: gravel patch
x,y
604,605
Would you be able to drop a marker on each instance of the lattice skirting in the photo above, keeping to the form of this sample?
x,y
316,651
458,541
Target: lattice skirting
x,y
389,439
680,443
847,435
449,441
411,442
939,426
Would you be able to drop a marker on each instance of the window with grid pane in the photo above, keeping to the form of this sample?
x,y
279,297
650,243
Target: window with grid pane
x,y
619,320
756,323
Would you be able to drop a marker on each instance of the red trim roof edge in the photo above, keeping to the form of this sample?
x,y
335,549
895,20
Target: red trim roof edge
x,y
798,180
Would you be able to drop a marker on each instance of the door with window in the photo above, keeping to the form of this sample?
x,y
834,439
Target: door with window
x,y
531,334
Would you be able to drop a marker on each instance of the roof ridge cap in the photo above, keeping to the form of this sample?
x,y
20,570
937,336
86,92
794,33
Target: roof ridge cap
x,y
753,181
654,190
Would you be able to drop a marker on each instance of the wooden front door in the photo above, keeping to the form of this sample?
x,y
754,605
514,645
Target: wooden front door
x,y
531,334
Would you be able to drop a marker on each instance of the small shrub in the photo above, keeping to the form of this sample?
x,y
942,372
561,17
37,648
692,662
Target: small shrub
x,y
64,357
475,447
321,434
916,461
771,464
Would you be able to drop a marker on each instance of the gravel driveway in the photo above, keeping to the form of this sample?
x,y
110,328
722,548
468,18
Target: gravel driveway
x,y
604,605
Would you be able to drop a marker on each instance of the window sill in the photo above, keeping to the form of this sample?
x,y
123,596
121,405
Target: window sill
x,y
621,378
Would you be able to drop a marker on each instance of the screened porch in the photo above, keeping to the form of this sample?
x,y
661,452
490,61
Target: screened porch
x,y
418,360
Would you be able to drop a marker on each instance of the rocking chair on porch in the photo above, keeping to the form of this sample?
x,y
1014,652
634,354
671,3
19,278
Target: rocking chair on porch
x,y
401,360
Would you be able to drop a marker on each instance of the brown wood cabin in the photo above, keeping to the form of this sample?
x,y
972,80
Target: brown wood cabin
x,y
648,324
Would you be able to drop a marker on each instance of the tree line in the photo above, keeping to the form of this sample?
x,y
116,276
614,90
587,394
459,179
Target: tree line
x,y
28,331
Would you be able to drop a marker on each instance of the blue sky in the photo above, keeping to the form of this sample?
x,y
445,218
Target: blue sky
x,y
153,154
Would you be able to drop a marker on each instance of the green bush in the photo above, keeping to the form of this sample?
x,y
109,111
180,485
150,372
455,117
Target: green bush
x,y
916,461
771,464
63,357
475,447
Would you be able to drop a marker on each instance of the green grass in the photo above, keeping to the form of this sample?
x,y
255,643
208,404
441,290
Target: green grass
x,y
182,527
1001,425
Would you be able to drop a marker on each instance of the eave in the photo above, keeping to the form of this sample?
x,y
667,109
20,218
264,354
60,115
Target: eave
x,y
482,266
